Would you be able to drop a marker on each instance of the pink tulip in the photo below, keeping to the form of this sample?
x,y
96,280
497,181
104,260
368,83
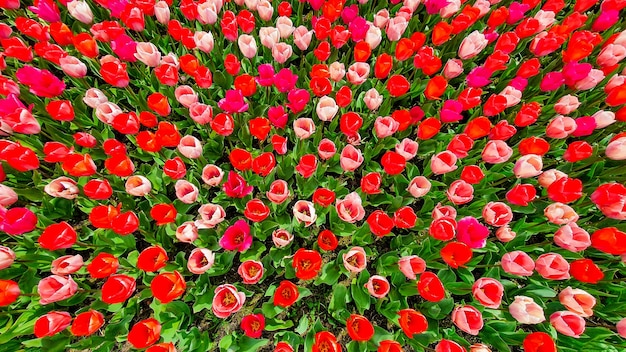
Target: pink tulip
x,y
233,102
621,327
407,148
251,271
358,73
351,158
67,264
604,118
479,347
505,234
207,12
190,147
517,263
285,26
107,111
138,186
227,300
468,319
94,97
452,69
326,149
298,100
278,192
42,83
611,55
419,186
269,36
304,127
381,18
350,209
572,238
552,266
302,37
80,10
162,12
443,162
568,323
7,196
496,152
186,191
281,238
441,211
497,214
73,67
265,10
55,288
355,260
212,175
248,48
200,260
201,113
472,45
211,215
549,176
186,96
595,76
337,71
148,53
411,266
46,10
566,105
377,286
450,9
372,99
304,212
460,192
560,214
326,108
373,37
187,232
385,126
577,301
396,27
488,292
7,257
527,166
526,311
616,150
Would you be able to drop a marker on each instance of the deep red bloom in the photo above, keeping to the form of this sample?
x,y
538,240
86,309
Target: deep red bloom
x,y
87,323
323,197
359,328
327,240
412,322
286,294
539,342
145,333
167,287
585,270
307,263
430,287
152,259
256,210
393,163
163,213
456,254
103,265
253,325
380,223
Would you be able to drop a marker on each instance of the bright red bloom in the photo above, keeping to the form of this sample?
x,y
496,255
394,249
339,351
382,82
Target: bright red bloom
x,y
585,270
9,292
286,294
393,163
534,145
175,168
259,127
256,210
97,189
609,240
539,342
118,288
456,254
359,328
152,259
412,322
264,164
323,197
428,128
430,287
87,323
327,240
145,333
307,263
380,223
383,65
125,223
167,287
240,159
398,85
58,236
103,265
565,190
253,325
163,213
577,151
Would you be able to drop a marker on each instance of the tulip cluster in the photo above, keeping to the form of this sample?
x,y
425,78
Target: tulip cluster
x,y
322,174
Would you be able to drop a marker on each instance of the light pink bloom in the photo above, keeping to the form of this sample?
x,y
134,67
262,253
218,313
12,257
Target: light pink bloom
x,y
505,234
549,176
80,10
304,127
201,113
186,96
381,18
528,166
385,126
350,209
460,192
611,55
73,67
560,214
281,238
552,266
269,36
604,118
278,192
443,162
453,69
496,152
449,10
186,191
468,319
497,214
7,257
304,211
162,12
285,26
190,147
566,105
62,187
561,127
441,211
55,288
396,27
107,111
227,300
372,99
7,196
67,264
526,311
204,41
211,215
472,45
337,70
577,301
138,186
248,48
187,232
148,53
212,175
302,37
355,260
593,78
419,186
568,323
351,158
572,238
358,73
616,150
407,148
326,108
517,263
200,260
265,10
94,97
373,37
208,12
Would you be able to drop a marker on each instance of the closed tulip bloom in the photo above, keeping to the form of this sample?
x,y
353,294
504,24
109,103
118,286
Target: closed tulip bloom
x,y
591,81
497,214
303,127
62,187
148,53
55,288
205,41
52,323
526,311
187,232
351,158
381,18
550,176
80,10
468,319
211,215
190,147
7,196
186,96
488,292
621,328
269,36
73,67
373,37
145,333
572,238
566,105
496,152
453,69
568,323
65,265
616,150
505,234
248,47
577,301
162,12
527,166
138,186
419,186
411,266
326,108
561,127
560,214
385,126
552,266
212,175
355,260
7,257
518,263
186,191
278,192
302,37
460,192
472,45
358,73
407,148
396,27
443,162
372,99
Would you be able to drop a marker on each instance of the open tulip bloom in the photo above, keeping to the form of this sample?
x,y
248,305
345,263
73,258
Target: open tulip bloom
x,y
333,175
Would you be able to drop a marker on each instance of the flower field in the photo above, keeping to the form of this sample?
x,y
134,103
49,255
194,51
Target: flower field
x,y
315,175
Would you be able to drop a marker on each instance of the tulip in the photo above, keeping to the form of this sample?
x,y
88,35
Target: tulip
x,y
526,311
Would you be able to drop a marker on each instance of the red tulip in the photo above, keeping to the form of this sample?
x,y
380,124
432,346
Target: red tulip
x,y
359,328
412,322
167,287
87,323
430,287
253,325
152,259
145,333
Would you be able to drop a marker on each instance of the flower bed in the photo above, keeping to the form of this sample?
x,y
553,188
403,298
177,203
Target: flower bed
x,y
317,176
